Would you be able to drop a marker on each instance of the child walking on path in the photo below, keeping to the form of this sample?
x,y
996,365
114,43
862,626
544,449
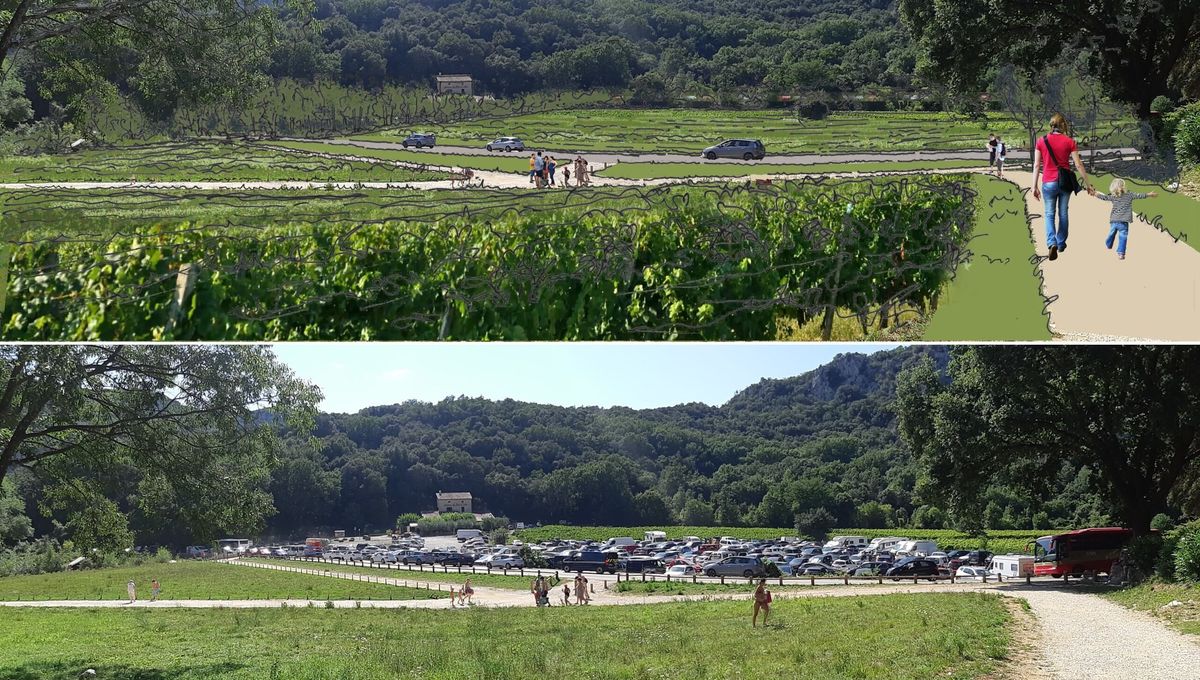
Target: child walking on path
x,y
1122,213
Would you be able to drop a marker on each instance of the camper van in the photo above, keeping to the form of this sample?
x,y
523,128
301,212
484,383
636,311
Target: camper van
x,y
915,547
618,542
844,542
883,543
1011,566
654,536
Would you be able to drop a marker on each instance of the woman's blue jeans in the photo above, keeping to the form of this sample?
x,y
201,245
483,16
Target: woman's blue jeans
x,y
1055,201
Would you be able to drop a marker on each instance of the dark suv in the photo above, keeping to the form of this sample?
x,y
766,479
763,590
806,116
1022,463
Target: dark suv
x,y
914,566
745,149
589,560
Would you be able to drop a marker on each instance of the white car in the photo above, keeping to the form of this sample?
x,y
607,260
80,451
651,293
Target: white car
x,y
383,557
971,573
681,570
502,561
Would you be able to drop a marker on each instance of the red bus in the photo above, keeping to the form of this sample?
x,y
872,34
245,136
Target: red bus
x,y
1074,552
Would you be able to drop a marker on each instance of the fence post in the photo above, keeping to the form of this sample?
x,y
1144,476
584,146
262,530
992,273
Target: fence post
x,y
185,283
5,263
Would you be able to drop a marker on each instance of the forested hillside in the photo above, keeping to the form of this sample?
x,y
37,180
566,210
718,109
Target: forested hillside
x,y
514,46
822,447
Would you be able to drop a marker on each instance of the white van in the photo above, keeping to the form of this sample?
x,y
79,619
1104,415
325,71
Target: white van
x,y
885,542
916,547
464,534
840,542
654,537
1011,566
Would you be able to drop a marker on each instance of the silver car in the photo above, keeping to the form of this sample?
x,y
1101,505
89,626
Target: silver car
x,y
736,566
745,149
507,144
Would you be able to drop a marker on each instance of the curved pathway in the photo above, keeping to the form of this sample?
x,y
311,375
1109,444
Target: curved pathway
x,y
1152,294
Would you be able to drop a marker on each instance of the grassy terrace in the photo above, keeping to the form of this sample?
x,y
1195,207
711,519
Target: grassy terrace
x,y
995,295
1151,597
691,130
198,581
518,163
67,214
200,161
895,637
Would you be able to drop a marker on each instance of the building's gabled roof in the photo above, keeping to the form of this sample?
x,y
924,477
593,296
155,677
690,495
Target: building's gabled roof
x,y
454,78
454,496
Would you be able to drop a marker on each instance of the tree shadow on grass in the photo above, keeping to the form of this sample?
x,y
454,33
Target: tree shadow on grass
x,y
70,670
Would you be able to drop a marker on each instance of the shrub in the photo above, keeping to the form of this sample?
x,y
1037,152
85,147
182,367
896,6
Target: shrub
x,y
1187,554
407,518
499,536
1162,104
1143,553
1187,139
490,524
532,558
772,569
814,110
1161,522
42,556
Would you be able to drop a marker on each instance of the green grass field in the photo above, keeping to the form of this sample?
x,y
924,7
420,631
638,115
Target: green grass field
x,y
516,163
702,170
199,581
997,540
691,130
497,580
995,295
1150,597
200,161
896,637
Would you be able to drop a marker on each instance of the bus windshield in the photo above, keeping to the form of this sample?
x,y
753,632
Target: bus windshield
x,y
1044,550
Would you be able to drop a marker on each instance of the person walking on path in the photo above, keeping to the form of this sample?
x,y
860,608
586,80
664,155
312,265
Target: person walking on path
x,y
762,602
1001,155
131,588
155,589
532,166
581,589
551,166
991,147
1054,183
1122,213
566,594
567,176
466,592
539,170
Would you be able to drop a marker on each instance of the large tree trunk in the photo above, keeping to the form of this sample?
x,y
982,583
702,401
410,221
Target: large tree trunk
x,y
10,31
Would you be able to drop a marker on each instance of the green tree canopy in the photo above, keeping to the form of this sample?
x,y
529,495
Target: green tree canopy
x,y
1020,415
185,432
1139,50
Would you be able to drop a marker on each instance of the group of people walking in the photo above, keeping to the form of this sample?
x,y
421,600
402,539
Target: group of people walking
x,y
540,589
543,171
131,590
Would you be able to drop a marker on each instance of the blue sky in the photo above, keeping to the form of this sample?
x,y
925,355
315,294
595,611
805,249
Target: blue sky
x,y
354,376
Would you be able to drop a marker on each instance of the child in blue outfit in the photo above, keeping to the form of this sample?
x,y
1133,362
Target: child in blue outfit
x,y
1122,213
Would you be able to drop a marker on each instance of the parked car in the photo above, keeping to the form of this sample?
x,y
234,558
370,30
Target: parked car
x,y
384,557
593,560
507,144
457,559
745,149
503,561
979,558
870,569
914,566
419,139
971,573
736,566
415,557
815,569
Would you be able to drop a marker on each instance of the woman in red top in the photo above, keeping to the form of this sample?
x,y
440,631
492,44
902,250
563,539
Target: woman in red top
x,y
1046,164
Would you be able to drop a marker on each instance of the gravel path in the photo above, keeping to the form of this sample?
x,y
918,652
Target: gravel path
x,y
1085,637
1095,297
